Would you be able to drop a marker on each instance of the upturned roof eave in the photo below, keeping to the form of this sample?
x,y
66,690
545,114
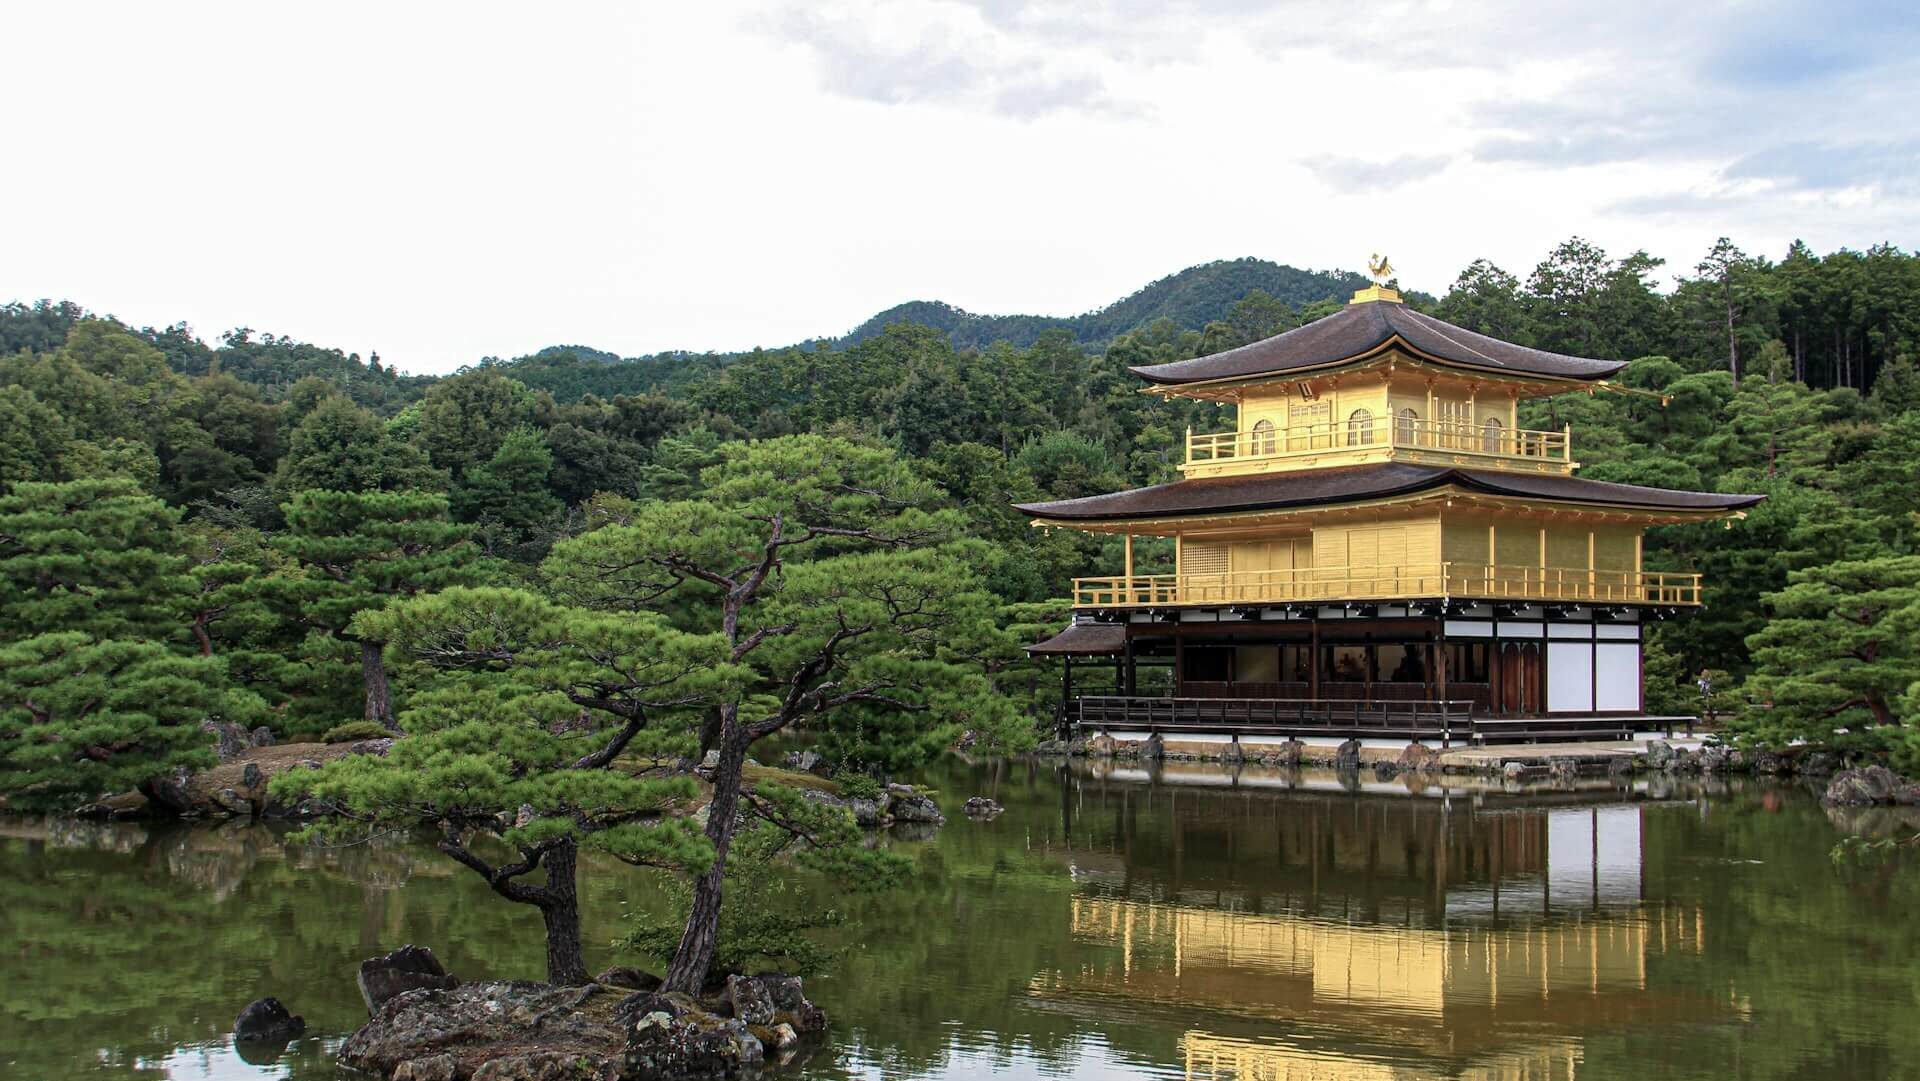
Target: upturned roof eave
x,y
1392,341
1445,486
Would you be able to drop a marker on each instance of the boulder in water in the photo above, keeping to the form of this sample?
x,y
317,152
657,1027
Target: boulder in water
x,y
1659,755
265,1020
750,1000
982,807
1420,757
1863,787
907,805
408,968
1347,755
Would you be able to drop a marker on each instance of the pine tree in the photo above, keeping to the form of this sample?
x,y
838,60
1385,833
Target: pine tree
x,y
362,549
99,556
826,568
538,706
1842,649
82,717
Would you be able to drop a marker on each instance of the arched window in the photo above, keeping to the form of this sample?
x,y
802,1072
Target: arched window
x,y
1405,427
1490,435
1359,427
1263,440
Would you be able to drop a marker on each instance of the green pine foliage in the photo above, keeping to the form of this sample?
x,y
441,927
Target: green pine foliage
x,y
82,717
1838,657
359,551
99,556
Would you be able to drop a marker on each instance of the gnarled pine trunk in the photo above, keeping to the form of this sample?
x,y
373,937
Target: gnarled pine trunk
x,y
560,910
373,671
702,933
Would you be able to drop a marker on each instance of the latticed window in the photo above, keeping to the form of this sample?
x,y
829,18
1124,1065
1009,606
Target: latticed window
x,y
1404,427
1490,435
1263,439
1359,427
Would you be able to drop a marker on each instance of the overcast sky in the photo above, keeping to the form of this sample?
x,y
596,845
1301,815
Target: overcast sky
x,y
442,182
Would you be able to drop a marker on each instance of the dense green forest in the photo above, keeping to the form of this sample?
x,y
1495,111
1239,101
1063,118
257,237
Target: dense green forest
x,y
1191,299
164,492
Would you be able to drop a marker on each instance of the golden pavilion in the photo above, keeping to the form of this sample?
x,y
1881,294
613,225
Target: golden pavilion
x,y
1378,548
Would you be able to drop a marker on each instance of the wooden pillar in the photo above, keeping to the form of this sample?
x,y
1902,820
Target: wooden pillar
x,y
1463,439
1432,421
1313,656
1132,682
1593,579
1440,664
1129,561
1496,688
1179,662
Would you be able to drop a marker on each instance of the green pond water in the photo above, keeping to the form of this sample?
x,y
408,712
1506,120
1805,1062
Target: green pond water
x,y
1111,924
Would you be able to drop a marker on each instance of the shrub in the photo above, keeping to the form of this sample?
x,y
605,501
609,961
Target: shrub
x,y
856,785
354,732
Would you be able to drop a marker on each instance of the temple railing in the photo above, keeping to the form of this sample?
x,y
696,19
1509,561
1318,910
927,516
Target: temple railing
x,y
1489,443
1435,720
1474,581
1438,721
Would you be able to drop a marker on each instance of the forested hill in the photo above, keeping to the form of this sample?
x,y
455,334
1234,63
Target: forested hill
x,y
1192,298
1187,301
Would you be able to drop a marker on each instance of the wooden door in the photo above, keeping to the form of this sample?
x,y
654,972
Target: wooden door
x,y
1534,660
1522,686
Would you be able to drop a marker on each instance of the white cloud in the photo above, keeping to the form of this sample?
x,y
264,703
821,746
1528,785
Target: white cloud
x,y
441,182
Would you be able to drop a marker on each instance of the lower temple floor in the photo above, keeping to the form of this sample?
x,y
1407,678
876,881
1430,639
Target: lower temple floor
x,y
1431,672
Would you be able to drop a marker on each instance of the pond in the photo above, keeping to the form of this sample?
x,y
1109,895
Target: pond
x,y
1113,923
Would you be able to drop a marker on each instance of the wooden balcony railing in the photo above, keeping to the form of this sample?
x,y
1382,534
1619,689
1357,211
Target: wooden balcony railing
x,y
1437,721
1489,441
1473,581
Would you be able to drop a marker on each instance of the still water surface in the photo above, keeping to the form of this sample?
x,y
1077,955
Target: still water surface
x,y
1111,924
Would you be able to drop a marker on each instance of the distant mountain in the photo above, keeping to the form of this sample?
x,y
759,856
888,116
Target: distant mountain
x,y
1192,298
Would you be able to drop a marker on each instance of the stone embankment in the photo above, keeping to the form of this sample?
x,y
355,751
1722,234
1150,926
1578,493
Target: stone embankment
x,y
235,788
1514,762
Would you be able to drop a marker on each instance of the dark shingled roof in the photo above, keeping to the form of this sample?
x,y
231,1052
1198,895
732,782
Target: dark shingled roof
x,y
1360,329
1348,484
1084,640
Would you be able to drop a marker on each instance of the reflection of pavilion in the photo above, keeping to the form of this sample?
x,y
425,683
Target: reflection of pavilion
x,y
1369,1000
1298,934
1209,1056
1437,862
